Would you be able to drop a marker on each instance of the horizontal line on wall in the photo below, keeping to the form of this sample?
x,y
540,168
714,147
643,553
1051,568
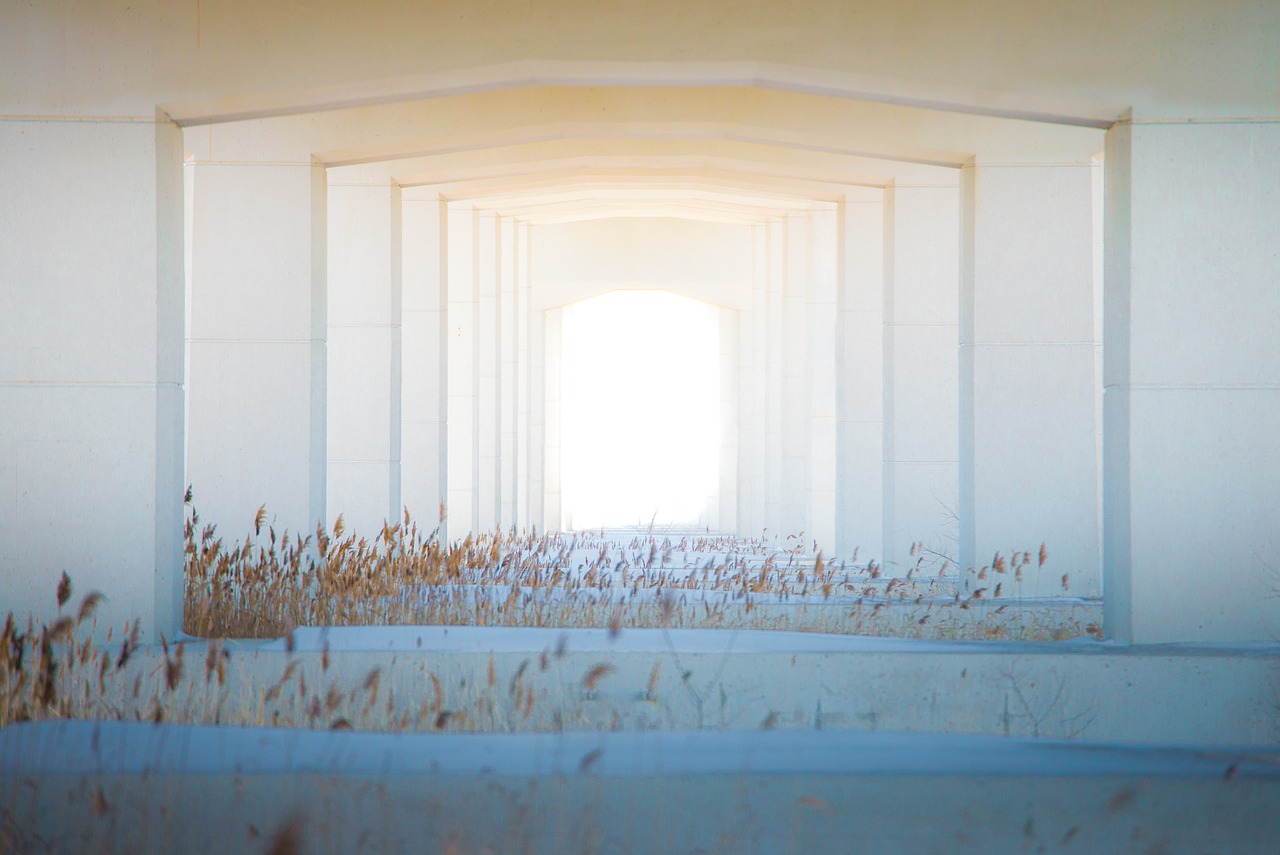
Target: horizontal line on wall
x,y
1089,344
1066,164
256,340
100,120
92,384
382,461
197,162
1235,120
922,324
364,326
1195,387
924,462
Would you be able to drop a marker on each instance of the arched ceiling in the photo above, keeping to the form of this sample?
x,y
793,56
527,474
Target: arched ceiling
x,y
556,154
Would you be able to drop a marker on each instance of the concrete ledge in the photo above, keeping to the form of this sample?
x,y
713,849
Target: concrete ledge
x,y
83,785
739,679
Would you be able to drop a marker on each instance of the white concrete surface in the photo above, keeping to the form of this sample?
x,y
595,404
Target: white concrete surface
x,y
365,352
815,791
258,343
860,389
1029,443
1192,381
424,367
921,298
91,366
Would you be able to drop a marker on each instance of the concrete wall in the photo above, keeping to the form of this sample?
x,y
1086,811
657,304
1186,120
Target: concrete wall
x,y
1029,444
91,366
258,343
921,296
365,356
1191,381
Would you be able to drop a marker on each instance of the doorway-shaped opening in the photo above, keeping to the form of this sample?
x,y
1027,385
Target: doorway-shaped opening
x,y
641,411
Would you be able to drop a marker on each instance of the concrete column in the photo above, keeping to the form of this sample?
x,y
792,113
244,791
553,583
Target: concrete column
x,y
821,300
523,381
860,385
364,374
91,368
1028,439
752,375
725,516
509,344
537,419
488,251
551,380
258,342
1191,477
424,404
775,523
795,378
463,507
922,266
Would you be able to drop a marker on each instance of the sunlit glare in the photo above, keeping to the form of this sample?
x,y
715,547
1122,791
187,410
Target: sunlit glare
x,y
641,410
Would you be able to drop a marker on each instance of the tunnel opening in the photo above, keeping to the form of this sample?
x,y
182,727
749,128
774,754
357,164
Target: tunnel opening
x,y
641,411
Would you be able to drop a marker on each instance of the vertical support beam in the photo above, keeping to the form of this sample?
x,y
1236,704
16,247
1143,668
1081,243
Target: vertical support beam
x,y
364,384
1191,382
751,393
860,384
773,502
462,389
91,323
1028,443
795,379
509,346
820,339
725,518
523,380
258,344
921,409
424,452
537,419
489,357
551,378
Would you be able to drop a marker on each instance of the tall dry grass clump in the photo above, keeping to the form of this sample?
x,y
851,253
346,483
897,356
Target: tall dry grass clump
x,y
271,581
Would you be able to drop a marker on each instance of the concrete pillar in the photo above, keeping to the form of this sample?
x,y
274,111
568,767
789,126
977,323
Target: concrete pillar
x,y
860,386
463,400
537,490
1028,441
488,253
424,404
523,381
725,516
258,341
489,361
509,346
1191,477
775,524
752,341
921,412
820,340
91,330
551,382
364,373
795,378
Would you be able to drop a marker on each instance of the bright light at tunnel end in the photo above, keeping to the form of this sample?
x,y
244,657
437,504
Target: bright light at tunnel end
x,y
640,426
